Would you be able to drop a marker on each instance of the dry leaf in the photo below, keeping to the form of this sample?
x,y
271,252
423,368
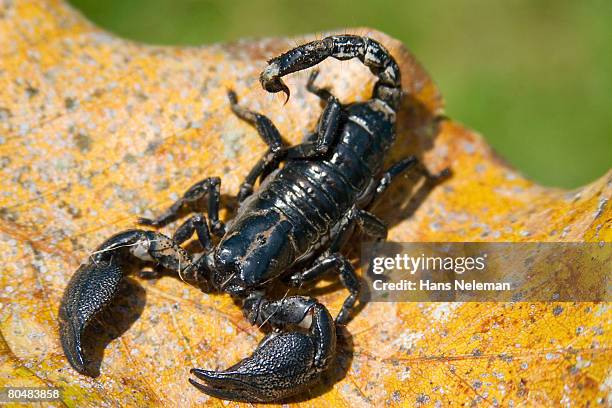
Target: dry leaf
x,y
95,131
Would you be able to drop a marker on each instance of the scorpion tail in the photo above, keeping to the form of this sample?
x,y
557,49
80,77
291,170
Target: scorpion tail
x,y
94,285
342,47
284,364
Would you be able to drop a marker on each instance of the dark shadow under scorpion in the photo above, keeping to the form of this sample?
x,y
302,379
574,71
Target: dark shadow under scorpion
x,y
291,229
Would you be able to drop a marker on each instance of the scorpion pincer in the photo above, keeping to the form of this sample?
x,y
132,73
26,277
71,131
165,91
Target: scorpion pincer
x,y
292,227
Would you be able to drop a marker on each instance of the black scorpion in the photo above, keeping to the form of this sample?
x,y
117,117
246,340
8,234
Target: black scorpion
x,y
293,227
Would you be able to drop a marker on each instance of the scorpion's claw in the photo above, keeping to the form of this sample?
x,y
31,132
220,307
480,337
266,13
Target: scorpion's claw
x,y
281,366
90,290
284,364
94,285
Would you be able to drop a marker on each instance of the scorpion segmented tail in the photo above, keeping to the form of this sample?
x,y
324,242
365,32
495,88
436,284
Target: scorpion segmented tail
x,y
342,47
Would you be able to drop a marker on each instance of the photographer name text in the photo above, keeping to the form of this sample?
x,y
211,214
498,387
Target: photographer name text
x,y
427,264
427,285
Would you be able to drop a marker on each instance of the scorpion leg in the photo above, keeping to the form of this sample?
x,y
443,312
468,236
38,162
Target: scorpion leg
x,y
371,225
285,363
209,186
268,163
327,127
197,224
332,260
339,264
269,134
266,129
400,168
322,93
95,283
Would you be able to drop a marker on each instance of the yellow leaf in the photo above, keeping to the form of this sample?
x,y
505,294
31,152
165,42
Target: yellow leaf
x,y
95,131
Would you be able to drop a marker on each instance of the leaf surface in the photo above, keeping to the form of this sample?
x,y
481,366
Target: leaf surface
x,y
96,131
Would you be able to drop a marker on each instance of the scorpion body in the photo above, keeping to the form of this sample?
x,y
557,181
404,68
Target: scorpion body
x,y
291,228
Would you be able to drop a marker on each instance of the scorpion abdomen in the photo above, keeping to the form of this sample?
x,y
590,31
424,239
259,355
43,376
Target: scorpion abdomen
x,y
314,195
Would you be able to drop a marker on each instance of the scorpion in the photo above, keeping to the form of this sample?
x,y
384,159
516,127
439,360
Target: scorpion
x,y
311,197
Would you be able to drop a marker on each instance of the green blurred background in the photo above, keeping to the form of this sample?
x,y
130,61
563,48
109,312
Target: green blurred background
x,y
535,77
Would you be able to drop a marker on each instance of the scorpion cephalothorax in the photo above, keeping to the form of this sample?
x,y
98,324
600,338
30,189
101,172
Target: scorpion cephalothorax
x,y
292,228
